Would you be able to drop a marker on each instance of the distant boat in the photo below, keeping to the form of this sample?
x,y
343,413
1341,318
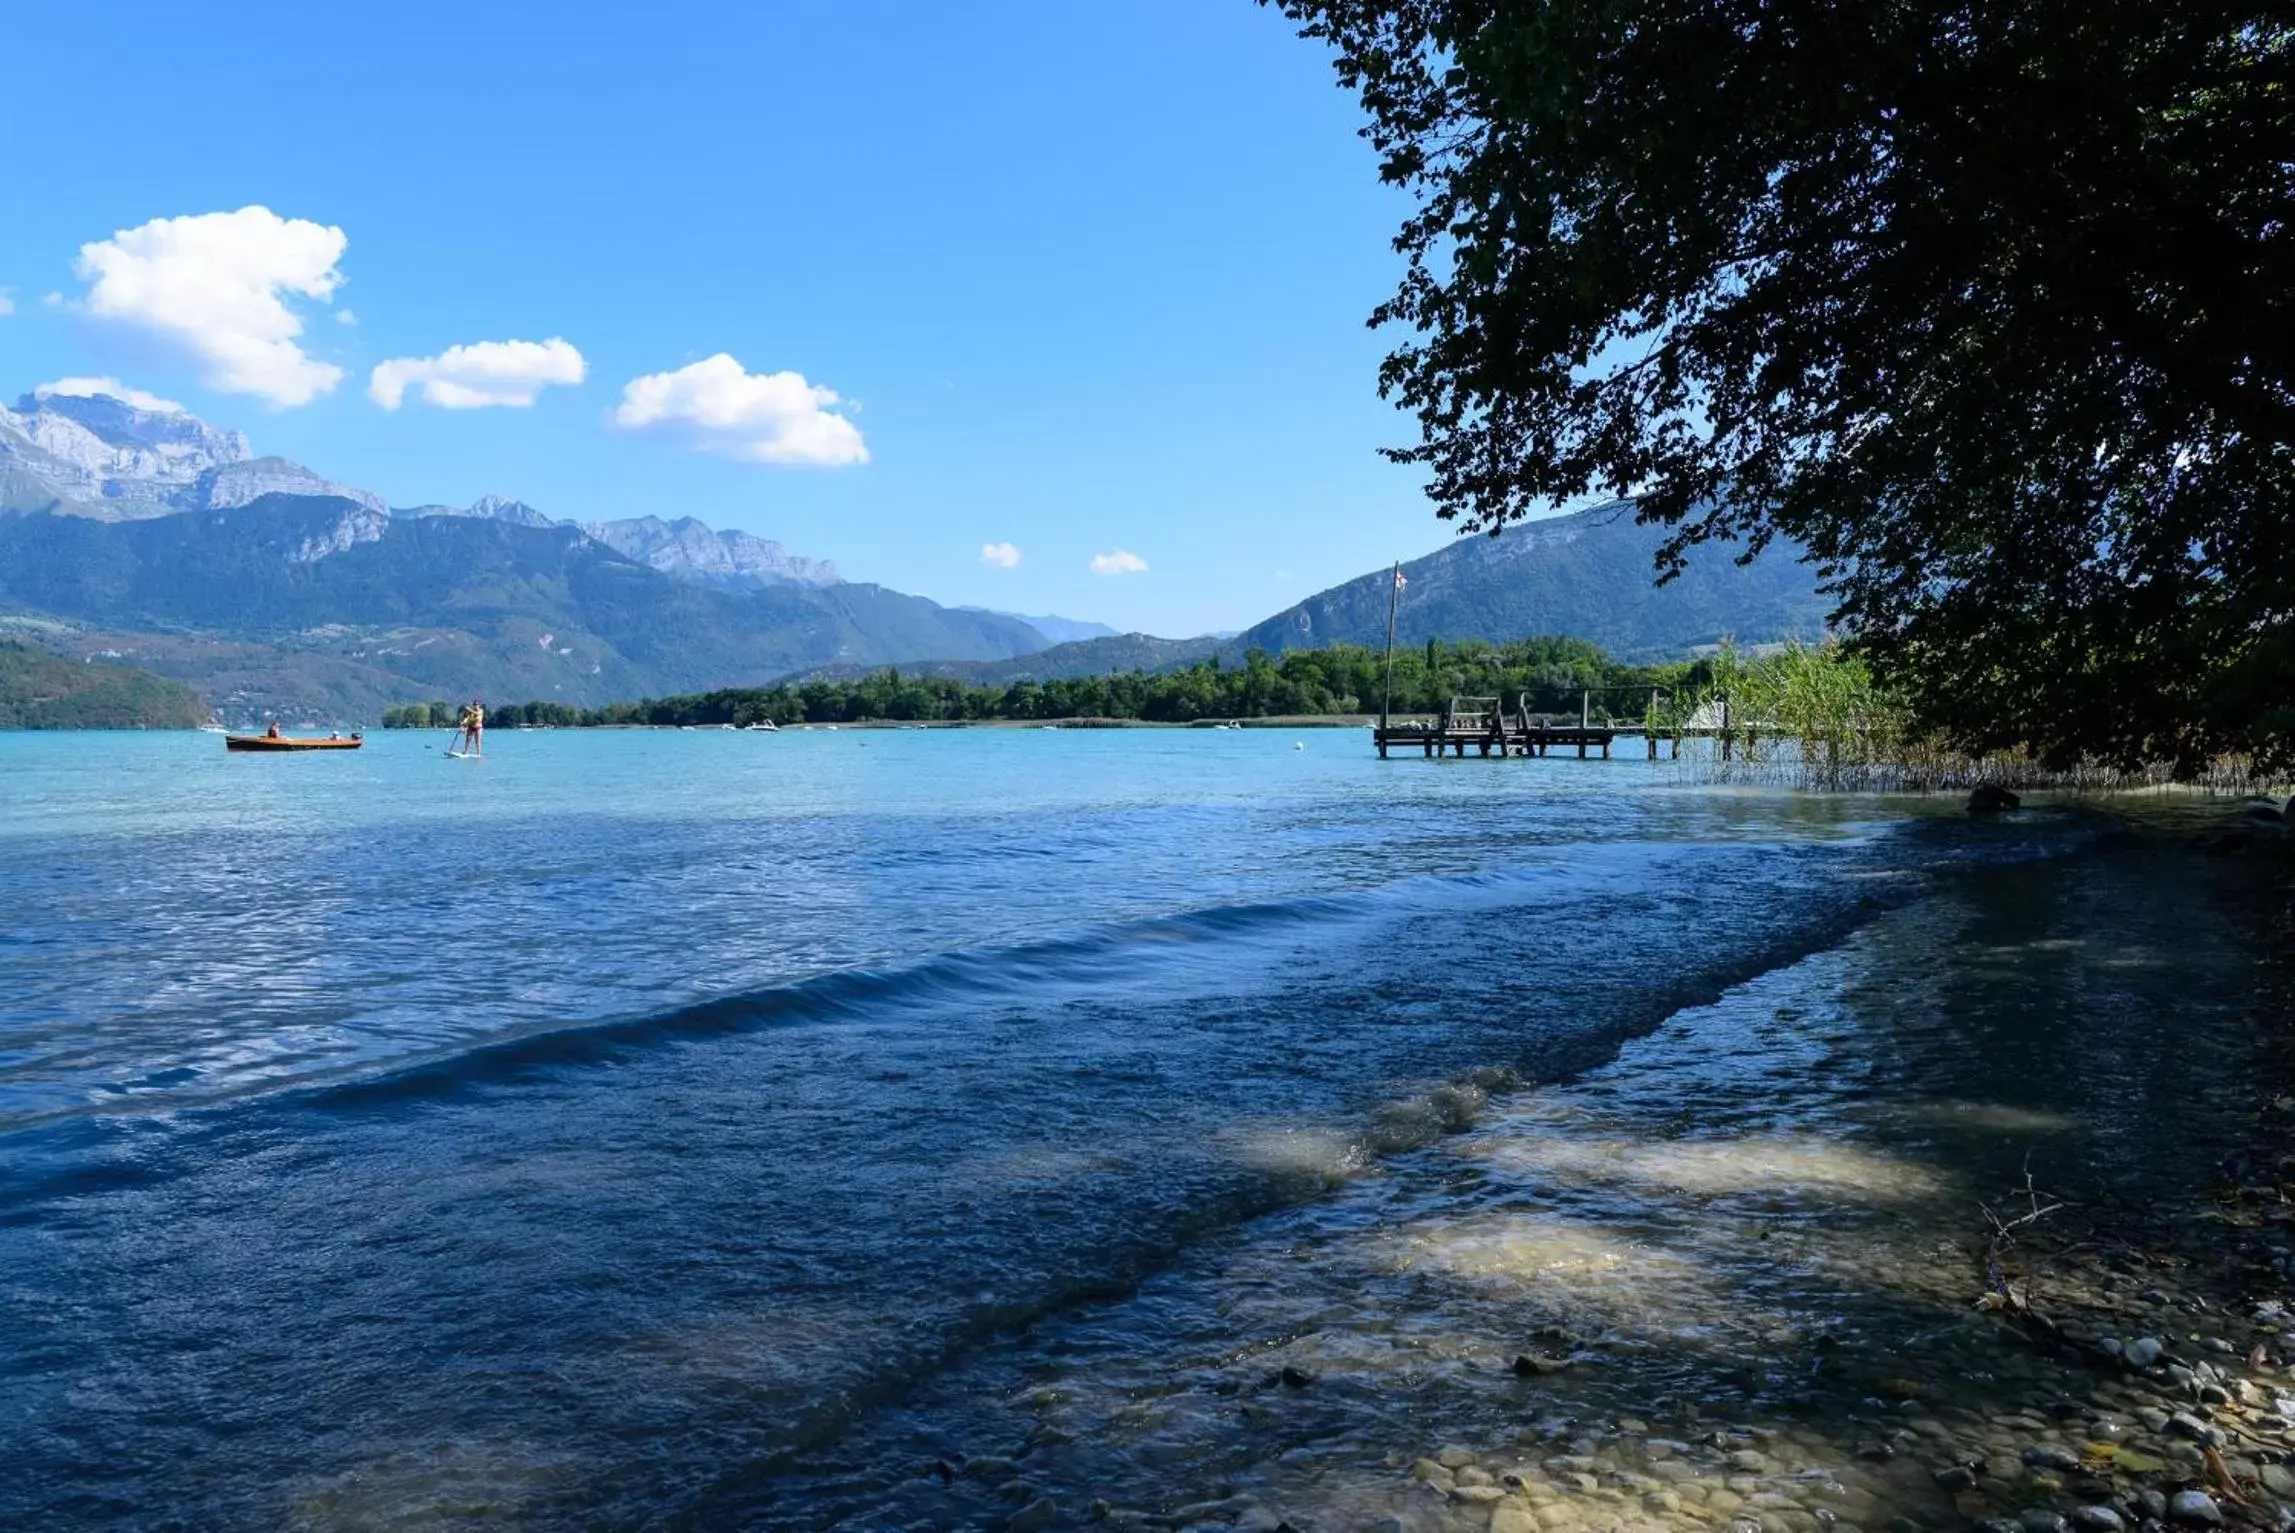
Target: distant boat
x,y
766,724
289,743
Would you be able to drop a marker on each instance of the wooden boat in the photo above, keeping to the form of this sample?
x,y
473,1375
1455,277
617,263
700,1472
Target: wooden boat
x,y
288,743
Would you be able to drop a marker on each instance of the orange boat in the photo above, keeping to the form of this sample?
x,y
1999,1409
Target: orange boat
x,y
279,742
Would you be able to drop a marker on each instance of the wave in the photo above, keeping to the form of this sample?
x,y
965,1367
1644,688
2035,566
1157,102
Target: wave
x,y
1198,946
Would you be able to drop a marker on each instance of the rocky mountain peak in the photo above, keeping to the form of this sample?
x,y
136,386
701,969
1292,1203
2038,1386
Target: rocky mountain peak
x,y
503,508
691,550
97,451
157,426
93,447
235,484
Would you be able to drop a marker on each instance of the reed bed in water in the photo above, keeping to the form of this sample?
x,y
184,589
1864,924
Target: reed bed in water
x,y
1811,716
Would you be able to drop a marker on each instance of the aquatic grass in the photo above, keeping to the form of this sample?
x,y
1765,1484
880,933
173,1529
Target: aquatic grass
x,y
1812,716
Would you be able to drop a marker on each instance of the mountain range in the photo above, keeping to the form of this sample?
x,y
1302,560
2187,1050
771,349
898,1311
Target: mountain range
x,y
353,610
131,531
1587,575
93,455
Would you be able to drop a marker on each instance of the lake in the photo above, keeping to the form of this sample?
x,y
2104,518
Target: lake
x,y
679,1128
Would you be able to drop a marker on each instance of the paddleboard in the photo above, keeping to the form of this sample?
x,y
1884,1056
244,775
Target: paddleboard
x,y
466,755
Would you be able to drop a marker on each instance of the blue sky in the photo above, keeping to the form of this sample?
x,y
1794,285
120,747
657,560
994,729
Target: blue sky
x,y
1084,278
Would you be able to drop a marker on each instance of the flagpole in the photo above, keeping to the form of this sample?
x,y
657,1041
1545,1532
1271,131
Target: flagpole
x,y
1386,698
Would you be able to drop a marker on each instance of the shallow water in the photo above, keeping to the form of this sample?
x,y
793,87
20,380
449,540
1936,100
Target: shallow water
x,y
675,1128
1768,1210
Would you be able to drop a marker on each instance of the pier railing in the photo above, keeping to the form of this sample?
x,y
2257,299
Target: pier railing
x,y
1484,726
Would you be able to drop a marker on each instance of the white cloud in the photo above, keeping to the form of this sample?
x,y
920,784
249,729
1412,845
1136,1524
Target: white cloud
x,y
52,300
1003,555
757,417
86,388
345,317
480,374
1118,562
7,301
217,285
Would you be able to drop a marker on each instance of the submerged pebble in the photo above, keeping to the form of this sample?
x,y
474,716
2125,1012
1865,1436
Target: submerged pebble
x,y
2196,1507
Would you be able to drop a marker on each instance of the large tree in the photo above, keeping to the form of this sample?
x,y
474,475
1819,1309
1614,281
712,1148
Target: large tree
x,y
1990,305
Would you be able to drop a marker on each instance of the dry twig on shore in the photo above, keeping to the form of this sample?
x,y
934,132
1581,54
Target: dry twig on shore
x,y
2002,1295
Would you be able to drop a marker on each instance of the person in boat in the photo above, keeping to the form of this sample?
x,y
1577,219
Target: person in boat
x,y
272,733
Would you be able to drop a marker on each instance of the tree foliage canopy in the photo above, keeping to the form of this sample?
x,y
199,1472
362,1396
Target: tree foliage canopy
x,y
1992,305
1551,673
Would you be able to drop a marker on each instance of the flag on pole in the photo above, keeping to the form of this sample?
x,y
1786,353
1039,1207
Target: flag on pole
x,y
1399,581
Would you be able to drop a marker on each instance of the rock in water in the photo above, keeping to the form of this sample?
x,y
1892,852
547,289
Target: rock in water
x,y
1037,1514
1990,799
2195,1507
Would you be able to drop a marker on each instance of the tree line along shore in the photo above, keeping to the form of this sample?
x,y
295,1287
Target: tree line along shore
x,y
1345,680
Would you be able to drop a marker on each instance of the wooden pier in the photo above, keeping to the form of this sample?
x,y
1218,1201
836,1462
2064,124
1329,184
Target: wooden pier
x,y
1482,725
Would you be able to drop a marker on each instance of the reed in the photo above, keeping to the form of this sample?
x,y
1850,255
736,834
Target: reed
x,y
1813,716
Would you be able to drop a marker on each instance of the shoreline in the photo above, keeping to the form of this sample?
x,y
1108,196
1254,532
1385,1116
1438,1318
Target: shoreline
x,y
2124,1352
1703,1288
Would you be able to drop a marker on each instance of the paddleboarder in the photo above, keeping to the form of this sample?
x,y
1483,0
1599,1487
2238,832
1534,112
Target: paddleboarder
x,y
473,737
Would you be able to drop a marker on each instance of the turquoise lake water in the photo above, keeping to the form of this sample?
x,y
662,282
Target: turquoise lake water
x,y
614,1131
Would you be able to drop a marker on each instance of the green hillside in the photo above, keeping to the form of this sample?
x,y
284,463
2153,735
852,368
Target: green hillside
x,y
40,689
1588,575
1552,675
1081,657
318,608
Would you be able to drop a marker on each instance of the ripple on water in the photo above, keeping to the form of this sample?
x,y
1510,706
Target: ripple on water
x,y
702,1169
1704,1232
